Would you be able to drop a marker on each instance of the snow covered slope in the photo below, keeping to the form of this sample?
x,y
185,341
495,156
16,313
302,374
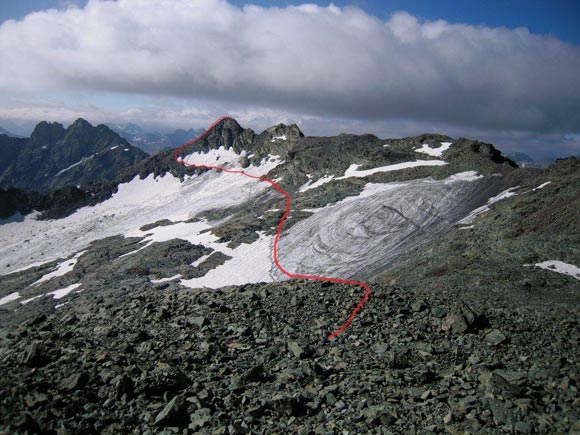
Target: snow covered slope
x,y
136,203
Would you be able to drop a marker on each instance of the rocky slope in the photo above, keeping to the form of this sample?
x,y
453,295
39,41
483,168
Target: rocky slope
x,y
538,224
55,157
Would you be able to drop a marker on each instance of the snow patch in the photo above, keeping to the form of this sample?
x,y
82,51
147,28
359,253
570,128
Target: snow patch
x,y
463,176
559,267
30,266
60,269
25,301
229,159
221,157
313,185
171,278
250,263
61,293
84,159
114,148
11,297
275,138
434,152
194,232
541,186
469,219
353,171
503,195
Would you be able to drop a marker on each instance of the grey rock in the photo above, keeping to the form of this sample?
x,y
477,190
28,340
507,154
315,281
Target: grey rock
x,y
495,337
139,337
459,319
198,321
125,385
36,355
200,418
256,374
295,349
76,381
418,306
173,414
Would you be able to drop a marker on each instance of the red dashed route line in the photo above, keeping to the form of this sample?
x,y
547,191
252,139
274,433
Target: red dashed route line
x,y
280,226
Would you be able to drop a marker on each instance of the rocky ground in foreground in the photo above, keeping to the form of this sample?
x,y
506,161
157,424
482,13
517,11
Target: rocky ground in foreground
x,y
255,360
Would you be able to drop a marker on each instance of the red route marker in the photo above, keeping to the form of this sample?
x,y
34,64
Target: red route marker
x,y
280,226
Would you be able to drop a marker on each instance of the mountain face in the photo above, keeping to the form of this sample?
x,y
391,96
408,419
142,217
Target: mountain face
x,y
167,271
154,142
54,157
9,149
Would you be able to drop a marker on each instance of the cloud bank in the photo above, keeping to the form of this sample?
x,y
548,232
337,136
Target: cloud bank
x,y
311,60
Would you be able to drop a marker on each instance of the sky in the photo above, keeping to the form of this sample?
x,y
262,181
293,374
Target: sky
x,y
506,72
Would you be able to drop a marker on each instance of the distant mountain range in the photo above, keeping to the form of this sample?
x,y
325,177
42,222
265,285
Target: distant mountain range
x,y
54,157
8,133
525,161
153,142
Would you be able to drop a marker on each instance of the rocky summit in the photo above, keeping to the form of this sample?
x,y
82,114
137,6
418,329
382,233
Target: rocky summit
x,y
149,302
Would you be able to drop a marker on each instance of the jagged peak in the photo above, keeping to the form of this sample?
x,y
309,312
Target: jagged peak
x,y
280,129
47,124
228,133
80,123
47,131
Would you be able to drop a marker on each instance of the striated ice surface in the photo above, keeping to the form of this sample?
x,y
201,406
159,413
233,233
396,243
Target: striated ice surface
x,y
359,236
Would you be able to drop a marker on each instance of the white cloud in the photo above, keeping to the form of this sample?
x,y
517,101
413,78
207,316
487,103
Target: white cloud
x,y
315,61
